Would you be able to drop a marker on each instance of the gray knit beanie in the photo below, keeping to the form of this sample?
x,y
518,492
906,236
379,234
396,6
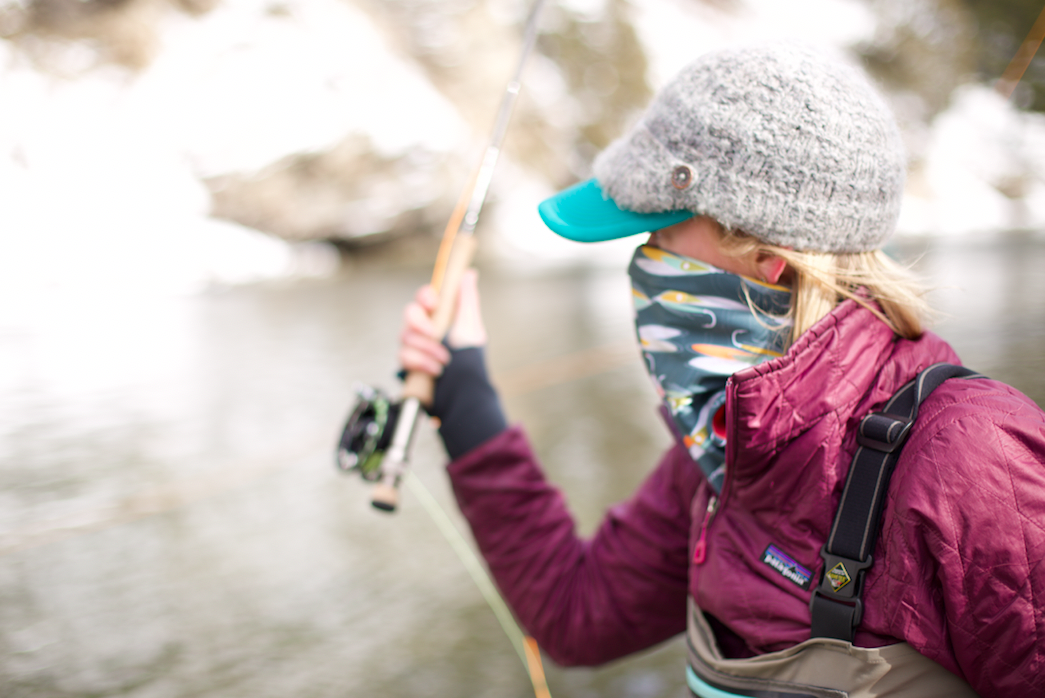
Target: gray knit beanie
x,y
777,141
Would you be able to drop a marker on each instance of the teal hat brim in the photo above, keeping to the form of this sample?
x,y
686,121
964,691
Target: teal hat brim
x,y
583,213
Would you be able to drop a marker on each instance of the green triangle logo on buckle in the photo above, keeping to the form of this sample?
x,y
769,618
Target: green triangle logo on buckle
x,y
838,577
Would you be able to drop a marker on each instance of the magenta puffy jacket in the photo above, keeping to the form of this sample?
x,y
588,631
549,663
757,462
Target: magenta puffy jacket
x,y
959,567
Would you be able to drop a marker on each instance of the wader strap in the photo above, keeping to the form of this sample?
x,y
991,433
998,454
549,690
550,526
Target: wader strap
x,y
835,604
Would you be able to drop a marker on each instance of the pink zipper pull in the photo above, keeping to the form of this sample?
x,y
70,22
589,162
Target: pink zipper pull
x,y
700,551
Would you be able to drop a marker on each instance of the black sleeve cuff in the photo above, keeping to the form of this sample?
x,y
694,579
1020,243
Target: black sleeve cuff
x,y
466,403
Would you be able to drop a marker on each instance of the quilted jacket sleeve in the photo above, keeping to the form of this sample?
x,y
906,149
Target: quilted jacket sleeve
x,y
970,515
585,601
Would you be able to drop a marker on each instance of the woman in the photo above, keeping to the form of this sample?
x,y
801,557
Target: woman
x,y
772,323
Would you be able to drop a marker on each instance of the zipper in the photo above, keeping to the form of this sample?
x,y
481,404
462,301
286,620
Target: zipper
x,y
700,551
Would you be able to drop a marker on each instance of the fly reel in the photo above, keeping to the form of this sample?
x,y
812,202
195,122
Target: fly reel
x,y
367,433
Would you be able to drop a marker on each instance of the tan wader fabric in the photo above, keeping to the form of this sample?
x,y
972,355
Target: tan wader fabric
x,y
819,667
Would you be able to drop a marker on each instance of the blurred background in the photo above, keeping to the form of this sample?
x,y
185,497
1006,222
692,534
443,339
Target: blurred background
x,y
211,215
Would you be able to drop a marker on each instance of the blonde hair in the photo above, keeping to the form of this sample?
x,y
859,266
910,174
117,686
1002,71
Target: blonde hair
x,y
822,280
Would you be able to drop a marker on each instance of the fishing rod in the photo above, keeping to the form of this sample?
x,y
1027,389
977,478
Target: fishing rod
x,y
378,437
1006,84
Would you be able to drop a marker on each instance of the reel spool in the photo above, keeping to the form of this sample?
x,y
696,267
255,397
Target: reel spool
x,y
367,433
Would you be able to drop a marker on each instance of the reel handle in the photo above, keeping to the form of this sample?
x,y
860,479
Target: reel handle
x,y
421,385
384,497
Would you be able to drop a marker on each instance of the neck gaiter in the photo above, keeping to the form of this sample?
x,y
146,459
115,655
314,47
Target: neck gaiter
x,y
696,329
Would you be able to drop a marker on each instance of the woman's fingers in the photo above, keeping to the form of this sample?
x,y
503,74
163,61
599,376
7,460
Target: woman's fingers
x,y
416,361
417,319
419,347
424,354
427,298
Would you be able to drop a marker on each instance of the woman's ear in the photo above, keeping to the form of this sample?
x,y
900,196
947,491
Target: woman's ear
x,y
770,267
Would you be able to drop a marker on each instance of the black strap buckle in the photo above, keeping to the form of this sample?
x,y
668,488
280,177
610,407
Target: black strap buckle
x,y
835,605
842,577
883,431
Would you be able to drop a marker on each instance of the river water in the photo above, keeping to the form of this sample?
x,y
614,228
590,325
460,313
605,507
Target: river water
x,y
171,523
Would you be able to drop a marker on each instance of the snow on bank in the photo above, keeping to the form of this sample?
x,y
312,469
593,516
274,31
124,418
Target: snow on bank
x,y
99,176
100,186
984,169
675,32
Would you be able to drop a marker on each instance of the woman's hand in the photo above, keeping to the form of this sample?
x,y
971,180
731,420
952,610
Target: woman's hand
x,y
420,347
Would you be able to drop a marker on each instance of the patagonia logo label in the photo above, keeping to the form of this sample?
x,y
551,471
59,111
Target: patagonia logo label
x,y
838,577
788,568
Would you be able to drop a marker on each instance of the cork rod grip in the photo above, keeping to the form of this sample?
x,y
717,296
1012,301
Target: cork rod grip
x,y
421,385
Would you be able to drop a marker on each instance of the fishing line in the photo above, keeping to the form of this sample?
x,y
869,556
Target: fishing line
x,y
525,646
